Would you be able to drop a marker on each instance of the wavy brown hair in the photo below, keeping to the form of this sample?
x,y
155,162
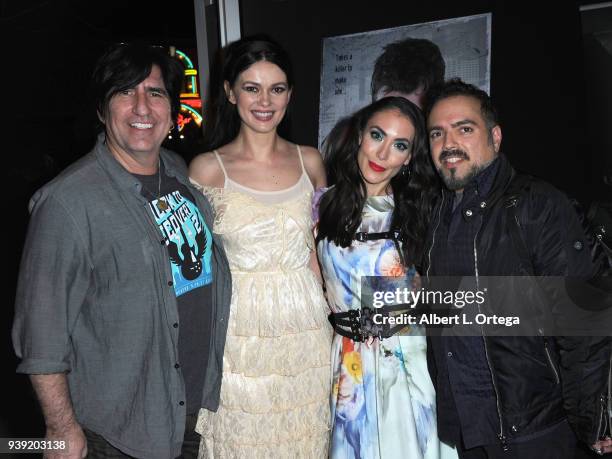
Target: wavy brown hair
x,y
414,191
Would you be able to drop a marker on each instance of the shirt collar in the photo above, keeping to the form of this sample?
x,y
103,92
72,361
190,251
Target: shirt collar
x,y
122,176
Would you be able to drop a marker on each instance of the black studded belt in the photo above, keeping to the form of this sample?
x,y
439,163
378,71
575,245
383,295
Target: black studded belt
x,y
359,325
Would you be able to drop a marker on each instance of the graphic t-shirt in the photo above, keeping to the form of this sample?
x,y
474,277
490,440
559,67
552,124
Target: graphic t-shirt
x,y
189,245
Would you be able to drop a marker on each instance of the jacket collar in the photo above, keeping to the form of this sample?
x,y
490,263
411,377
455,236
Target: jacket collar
x,y
501,182
483,182
505,174
121,176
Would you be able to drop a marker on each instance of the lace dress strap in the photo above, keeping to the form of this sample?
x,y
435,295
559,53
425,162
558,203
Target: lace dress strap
x,y
301,159
304,173
221,165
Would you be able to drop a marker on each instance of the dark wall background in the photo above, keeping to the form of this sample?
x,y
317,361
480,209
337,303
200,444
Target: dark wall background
x,y
536,76
597,46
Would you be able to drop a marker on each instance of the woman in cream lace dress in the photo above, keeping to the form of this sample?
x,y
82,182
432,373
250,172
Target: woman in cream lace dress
x,y
276,376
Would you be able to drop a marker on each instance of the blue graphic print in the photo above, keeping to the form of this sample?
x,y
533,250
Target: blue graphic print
x,y
188,240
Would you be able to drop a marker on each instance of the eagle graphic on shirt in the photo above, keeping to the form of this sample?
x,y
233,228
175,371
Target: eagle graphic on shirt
x,y
189,257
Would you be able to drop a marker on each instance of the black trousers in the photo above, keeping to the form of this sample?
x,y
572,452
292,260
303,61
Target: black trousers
x,y
557,443
99,448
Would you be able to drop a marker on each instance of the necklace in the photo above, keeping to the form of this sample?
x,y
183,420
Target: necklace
x,y
162,205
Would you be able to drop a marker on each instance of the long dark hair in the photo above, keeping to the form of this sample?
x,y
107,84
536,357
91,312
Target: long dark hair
x,y
414,189
224,123
125,65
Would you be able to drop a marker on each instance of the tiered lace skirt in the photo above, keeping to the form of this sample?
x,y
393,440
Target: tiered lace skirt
x,y
276,371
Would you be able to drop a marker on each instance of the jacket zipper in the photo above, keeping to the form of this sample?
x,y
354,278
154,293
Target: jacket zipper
x,y
500,435
610,395
433,239
552,365
606,408
602,418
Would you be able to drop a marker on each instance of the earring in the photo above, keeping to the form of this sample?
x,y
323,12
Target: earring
x,y
405,171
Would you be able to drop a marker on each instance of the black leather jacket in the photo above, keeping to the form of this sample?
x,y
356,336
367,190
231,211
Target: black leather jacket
x,y
538,380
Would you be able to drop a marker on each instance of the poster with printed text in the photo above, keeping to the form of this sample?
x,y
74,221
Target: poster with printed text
x,y
348,61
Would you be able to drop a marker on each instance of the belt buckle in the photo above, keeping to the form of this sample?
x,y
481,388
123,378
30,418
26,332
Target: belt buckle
x,y
367,326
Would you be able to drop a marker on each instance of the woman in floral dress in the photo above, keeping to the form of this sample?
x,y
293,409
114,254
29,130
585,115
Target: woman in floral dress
x,y
372,223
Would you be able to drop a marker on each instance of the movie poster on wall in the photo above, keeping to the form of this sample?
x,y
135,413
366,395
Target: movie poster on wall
x,y
348,61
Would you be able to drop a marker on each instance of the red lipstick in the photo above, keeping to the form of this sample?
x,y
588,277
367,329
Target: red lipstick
x,y
375,167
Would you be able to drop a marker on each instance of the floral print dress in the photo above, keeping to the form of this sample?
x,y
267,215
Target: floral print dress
x,y
383,400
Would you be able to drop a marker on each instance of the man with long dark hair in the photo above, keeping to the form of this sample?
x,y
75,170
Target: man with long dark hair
x,y
508,396
123,295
